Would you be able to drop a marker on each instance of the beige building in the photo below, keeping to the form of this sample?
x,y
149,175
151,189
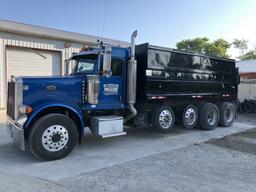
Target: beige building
x,y
247,86
28,50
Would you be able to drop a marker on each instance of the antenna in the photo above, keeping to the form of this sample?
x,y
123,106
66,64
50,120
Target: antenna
x,y
104,20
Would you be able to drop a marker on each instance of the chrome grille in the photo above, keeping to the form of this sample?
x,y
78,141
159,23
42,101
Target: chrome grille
x,y
11,100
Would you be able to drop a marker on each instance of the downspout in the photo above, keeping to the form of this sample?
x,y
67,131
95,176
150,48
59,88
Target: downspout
x,y
131,80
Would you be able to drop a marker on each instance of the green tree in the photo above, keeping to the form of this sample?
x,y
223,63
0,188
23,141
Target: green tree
x,y
240,44
249,55
193,45
218,47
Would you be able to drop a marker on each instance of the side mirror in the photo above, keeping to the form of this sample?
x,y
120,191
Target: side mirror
x,y
66,67
107,60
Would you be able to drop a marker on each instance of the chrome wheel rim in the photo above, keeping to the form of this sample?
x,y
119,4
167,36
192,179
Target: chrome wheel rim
x,y
55,138
229,115
190,116
212,117
165,119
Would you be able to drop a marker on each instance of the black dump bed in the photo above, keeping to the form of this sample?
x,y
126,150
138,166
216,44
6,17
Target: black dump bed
x,y
169,72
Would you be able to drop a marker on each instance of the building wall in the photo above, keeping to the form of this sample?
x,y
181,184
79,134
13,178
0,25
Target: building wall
x,y
249,75
8,39
247,86
247,90
2,76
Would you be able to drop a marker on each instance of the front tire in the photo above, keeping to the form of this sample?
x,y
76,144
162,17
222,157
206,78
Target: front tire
x,y
52,137
163,118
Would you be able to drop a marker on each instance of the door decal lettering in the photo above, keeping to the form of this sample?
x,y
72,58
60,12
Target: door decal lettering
x,y
110,89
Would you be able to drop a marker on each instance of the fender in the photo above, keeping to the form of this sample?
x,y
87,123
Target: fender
x,y
40,108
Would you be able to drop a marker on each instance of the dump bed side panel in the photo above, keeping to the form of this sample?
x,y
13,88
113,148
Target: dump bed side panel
x,y
173,73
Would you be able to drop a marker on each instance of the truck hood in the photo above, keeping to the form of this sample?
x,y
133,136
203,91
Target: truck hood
x,y
52,89
39,77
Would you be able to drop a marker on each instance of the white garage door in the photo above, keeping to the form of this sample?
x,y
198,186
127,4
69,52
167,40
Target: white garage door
x,y
32,62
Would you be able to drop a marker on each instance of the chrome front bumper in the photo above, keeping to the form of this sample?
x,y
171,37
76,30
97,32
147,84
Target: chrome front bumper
x,y
17,134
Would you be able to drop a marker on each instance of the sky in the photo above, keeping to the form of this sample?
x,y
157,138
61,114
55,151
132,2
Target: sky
x,y
159,22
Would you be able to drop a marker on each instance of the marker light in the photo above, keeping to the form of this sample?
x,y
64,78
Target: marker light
x,y
85,48
25,109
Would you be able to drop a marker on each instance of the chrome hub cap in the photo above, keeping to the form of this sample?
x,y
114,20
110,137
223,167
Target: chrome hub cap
x,y
165,119
55,138
212,117
190,116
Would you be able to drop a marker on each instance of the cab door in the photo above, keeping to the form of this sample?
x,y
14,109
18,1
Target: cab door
x,y
112,89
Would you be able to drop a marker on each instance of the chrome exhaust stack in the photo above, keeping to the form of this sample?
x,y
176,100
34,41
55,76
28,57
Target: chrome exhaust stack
x,y
132,80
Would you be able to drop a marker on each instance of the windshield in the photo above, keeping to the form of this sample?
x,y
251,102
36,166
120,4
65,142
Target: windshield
x,y
85,64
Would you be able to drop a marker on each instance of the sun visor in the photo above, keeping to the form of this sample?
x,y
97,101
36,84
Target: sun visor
x,y
88,52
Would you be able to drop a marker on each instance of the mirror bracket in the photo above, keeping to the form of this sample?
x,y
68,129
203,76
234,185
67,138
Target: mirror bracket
x,y
66,63
107,61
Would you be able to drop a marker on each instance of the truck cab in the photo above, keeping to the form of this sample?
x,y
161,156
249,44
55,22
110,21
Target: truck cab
x,y
50,113
105,74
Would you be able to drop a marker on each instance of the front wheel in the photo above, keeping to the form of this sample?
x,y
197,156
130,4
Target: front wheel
x,y
53,137
163,118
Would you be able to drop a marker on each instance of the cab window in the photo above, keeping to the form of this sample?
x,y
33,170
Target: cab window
x,y
117,66
86,64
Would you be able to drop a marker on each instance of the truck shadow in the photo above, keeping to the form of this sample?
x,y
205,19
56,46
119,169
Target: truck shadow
x,y
134,135
10,154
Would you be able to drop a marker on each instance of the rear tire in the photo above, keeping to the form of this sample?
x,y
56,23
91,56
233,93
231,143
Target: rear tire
x,y
189,117
209,116
52,137
163,118
227,114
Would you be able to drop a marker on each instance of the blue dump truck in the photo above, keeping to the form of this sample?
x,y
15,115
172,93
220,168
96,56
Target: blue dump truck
x,y
143,86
